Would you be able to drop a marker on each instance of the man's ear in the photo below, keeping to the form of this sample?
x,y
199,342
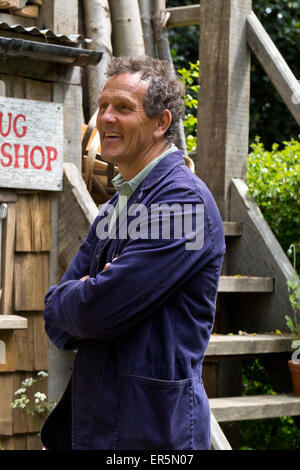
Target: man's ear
x,y
163,123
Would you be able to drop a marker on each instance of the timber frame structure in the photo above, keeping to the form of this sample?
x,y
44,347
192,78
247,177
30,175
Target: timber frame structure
x,y
253,296
43,231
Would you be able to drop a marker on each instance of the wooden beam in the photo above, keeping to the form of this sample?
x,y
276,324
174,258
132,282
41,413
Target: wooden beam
x,y
246,284
59,16
254,407
227,345
30,11
12,322
77,211
12,4
183,16
233,229
224,96
274,65
8,240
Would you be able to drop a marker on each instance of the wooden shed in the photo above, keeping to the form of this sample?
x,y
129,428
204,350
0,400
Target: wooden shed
x,y
41,55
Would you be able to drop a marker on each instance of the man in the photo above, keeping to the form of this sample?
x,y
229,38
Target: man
x,y
138,300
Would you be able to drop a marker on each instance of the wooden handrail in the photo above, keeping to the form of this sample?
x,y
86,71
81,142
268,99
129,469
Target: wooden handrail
x,y
274,65
183,16
264,49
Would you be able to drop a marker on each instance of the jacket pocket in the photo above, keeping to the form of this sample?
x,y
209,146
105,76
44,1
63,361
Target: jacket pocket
x,y
154,414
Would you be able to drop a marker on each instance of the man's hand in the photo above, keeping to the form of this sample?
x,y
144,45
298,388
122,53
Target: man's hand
x,y
104,269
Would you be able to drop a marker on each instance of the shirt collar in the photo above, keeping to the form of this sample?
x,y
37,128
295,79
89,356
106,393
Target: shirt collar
x,y
126,188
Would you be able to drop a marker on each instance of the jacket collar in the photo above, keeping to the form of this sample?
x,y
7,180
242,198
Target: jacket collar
x,y
162,169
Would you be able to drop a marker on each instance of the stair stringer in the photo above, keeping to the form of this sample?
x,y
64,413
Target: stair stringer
x,y
256,253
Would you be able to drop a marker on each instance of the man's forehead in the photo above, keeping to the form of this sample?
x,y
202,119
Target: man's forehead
x,y
128,83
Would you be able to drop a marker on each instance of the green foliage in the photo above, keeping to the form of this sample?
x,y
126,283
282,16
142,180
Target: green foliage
x,y
184,40
189,78
269,116
273,179
265,434
294,291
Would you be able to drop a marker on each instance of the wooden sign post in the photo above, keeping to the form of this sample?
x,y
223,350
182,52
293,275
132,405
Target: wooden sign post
x,y
31,144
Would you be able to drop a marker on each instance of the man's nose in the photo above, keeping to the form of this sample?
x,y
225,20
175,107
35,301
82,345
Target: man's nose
x,y
108,115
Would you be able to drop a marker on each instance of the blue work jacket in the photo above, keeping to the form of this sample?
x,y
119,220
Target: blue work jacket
x,y
141,327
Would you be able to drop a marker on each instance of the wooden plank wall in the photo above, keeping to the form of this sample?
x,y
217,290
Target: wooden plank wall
x,y
25,280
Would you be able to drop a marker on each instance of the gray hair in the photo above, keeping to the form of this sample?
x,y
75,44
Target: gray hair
x,y
165,90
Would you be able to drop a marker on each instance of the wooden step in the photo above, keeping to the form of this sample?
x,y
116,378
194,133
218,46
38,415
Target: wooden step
x,y
12,322
254,407
246,284
233,229
227,345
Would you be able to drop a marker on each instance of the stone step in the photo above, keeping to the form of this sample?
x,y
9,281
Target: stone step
x,y
228,345
254,407
246,284
12,322
232,229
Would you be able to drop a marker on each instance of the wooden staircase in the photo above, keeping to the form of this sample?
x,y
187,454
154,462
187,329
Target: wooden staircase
x,y
237,345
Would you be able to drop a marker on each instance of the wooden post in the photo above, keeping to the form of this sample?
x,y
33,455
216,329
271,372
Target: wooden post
x,y
59,16
223,108
98,28
62,17
146,11
127,35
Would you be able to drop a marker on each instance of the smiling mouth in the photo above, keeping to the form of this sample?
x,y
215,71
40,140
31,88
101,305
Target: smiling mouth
x,y
112,135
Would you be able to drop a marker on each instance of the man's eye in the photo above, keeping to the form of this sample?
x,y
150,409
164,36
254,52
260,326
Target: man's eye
x,y
125,107
102,106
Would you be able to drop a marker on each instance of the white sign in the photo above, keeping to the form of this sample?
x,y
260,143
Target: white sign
x,y
31,144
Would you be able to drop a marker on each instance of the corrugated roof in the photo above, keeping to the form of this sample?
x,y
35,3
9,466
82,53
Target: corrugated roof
x,y
44,33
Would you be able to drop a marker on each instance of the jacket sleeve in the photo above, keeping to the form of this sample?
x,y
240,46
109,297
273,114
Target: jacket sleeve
x,y
146,273
79,267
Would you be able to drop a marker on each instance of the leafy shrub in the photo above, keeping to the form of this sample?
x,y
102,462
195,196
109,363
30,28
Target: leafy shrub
x,y
189,78
265,434
273,178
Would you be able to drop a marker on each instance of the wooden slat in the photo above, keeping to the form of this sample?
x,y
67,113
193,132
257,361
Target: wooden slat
x,y
232,229
26,349
33,442
6,397
274,65
77,213
246,284
222,345
12,322
40,342
16,442
19,349
30,11
12,4
60,16
31,281
33,232
183,16
7,271
7,195
254,407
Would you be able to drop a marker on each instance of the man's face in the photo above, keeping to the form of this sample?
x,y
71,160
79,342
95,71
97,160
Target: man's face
x,y
126,133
